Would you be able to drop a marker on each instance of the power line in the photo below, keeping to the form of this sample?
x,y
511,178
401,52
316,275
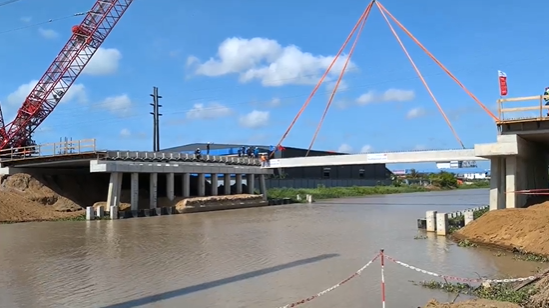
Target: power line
x,y
43,22
8,2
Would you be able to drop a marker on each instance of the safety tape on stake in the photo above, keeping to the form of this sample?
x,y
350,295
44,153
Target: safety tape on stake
x,y
447,277
319,294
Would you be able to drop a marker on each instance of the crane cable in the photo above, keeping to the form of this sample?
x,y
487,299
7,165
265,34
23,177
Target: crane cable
x,y
490,113
341,74
421,77
308,100
44,22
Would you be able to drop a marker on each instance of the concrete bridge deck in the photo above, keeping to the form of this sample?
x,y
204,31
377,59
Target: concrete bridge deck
x,y
377,158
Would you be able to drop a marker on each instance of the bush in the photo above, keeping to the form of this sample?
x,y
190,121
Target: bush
x,y
341,192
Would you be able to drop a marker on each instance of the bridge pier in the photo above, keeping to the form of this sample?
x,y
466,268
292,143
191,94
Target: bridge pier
x,y
186,183
263,186
170,186
250,182
115,188
201,185
214,183
153,190
227,183
238,180
134,199
516,164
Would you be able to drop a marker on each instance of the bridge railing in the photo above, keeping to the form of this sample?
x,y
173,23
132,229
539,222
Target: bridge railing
x,y
64,148
522,110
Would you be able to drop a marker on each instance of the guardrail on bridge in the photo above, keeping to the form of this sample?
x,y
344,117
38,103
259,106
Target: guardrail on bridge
x,y
532,112
64,148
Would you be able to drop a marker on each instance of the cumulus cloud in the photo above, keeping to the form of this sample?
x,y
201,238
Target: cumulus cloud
x,y
391,95
267,61
105,61
254,119
208,111
125,133
366,149
120,105
415,113
345,148
48,33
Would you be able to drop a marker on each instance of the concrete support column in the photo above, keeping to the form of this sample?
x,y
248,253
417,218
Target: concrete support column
x,y
497,183
442,224
135,191
170,186
263,186
431,220
250,181
227,184
115,187
510,182
213,181
186,182
238,184
201,185
153,190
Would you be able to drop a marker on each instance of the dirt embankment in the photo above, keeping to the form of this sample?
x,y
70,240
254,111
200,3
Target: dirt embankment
x,y
524,229
27,198
476,303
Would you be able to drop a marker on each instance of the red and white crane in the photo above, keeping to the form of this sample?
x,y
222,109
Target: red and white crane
x,y
70,62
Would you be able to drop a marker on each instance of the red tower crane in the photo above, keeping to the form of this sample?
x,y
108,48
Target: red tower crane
x,y
70,62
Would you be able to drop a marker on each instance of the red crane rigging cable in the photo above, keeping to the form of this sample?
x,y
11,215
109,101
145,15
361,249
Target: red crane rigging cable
x,y
421,78
62,73
490,113
340,77
308,100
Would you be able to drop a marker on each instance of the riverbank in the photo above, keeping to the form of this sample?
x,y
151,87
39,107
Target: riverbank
x,y
358,191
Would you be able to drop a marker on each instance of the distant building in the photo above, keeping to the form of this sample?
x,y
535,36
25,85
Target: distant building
x,y
303,177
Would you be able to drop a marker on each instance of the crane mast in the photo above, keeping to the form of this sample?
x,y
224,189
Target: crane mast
x,y
70,62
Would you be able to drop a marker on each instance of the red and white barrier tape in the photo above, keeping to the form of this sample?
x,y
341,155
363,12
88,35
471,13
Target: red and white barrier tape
x,y
447,277
319,294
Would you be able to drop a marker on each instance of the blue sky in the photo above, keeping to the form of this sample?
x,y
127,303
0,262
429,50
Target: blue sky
x,y
213,93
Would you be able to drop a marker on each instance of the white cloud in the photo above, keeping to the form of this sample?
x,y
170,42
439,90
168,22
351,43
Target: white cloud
x,y
48,33
268,61
208,112
120,105
415,113
105,61
255,119
366,149
391,95
345,148
343,86
125,133
275,102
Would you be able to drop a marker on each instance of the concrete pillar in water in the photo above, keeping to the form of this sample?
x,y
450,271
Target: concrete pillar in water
x,y
263,186
227,183
510,182
114,212
201,185
238,183
431,221
213,181
115,187
90,214
469,216
134,191
250,181
170,186
186,182
442,223
153,190
99,212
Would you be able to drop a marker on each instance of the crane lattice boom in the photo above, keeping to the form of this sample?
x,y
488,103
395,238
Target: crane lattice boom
x,y
63,72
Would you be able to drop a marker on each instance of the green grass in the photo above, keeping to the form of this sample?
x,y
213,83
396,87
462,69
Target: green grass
x,y
475,185
341,192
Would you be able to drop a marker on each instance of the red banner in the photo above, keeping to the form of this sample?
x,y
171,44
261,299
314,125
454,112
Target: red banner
x,y
502,86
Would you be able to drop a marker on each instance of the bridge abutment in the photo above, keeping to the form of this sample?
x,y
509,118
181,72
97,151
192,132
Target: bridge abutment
x,y
516,165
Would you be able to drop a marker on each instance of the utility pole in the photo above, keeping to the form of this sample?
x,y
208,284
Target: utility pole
x,y
156,117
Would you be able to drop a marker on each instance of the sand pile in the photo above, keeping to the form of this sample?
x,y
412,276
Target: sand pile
x,y
476,303
524,229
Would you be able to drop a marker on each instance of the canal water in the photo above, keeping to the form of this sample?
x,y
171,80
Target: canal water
x,y
262,257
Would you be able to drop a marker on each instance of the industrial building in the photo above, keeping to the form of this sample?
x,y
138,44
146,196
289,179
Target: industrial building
x,y
302,177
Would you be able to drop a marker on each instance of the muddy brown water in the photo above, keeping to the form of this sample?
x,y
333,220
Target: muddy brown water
x,y
262,257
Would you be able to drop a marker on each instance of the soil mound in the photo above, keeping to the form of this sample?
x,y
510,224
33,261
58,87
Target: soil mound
x,y
525,229
476,303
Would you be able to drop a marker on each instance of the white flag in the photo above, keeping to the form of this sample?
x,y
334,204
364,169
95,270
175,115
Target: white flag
x,y
501,74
